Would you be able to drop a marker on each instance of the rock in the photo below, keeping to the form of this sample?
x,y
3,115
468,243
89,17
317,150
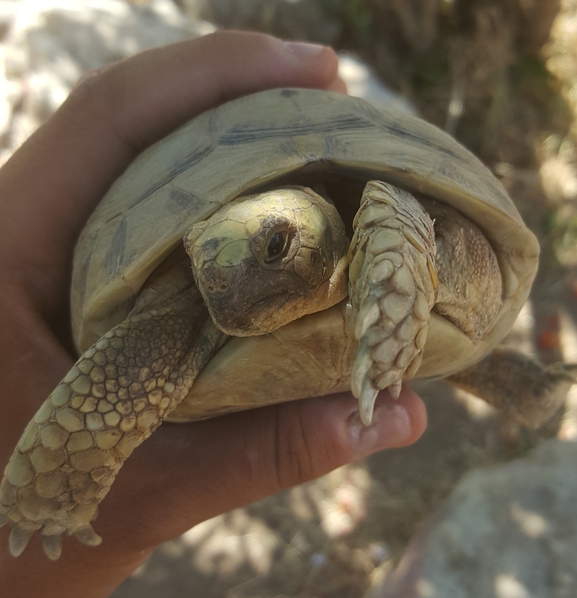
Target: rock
x,y
363,83
49,45
507,531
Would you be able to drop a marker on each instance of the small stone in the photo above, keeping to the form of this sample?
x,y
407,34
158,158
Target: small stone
x,y
53,436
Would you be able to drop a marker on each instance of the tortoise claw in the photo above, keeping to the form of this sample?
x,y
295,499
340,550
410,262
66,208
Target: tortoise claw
x,y
52,546
19,539
367,399
88,536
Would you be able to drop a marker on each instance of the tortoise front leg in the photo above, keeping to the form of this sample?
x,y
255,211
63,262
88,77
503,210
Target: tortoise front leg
x,y
113,398
517,385
392,287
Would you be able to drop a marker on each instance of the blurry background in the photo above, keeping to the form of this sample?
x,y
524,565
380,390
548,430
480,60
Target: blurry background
x,y
501,76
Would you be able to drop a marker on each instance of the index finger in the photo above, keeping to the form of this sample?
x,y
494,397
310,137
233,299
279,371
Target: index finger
x,y
50,186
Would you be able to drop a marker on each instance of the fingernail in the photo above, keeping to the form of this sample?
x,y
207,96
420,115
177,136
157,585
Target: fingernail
x,y
391,427
303,49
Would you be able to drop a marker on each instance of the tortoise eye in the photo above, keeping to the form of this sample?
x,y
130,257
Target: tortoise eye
x,y
276,247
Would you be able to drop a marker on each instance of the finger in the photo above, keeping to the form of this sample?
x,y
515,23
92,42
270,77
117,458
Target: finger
x,y
52,183
258,454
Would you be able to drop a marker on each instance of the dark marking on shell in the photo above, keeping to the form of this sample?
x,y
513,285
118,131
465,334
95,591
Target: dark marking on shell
x,y
180,200
289,93
248,133
117,250
198,155
83,271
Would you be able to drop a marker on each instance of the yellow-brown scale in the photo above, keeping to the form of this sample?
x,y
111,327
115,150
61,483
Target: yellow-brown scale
x,y
114,397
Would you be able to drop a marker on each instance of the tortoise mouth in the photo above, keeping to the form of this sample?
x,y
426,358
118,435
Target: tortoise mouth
x,y
260,316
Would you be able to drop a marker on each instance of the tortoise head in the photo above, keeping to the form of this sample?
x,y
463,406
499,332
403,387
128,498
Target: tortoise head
x,y
266,259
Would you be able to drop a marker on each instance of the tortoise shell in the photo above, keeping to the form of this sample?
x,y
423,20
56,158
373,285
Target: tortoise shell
x,y
265,140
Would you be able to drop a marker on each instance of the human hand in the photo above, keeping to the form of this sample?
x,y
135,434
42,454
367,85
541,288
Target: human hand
x,y
187,473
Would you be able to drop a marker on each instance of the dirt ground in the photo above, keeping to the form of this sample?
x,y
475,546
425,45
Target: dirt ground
x,y
501,76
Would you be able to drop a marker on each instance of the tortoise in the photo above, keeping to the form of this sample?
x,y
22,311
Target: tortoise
x,y
265,191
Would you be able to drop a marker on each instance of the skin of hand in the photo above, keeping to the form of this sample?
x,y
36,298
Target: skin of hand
x,y
187,473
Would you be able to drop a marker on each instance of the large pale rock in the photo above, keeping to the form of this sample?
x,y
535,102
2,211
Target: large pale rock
x,y
50,44
508,531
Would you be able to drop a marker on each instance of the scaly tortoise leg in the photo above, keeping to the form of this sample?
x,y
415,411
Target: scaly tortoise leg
x,y
113,398
517,385
392,287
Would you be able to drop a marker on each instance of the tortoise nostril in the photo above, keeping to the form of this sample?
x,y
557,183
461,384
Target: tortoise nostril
x,y
223,287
